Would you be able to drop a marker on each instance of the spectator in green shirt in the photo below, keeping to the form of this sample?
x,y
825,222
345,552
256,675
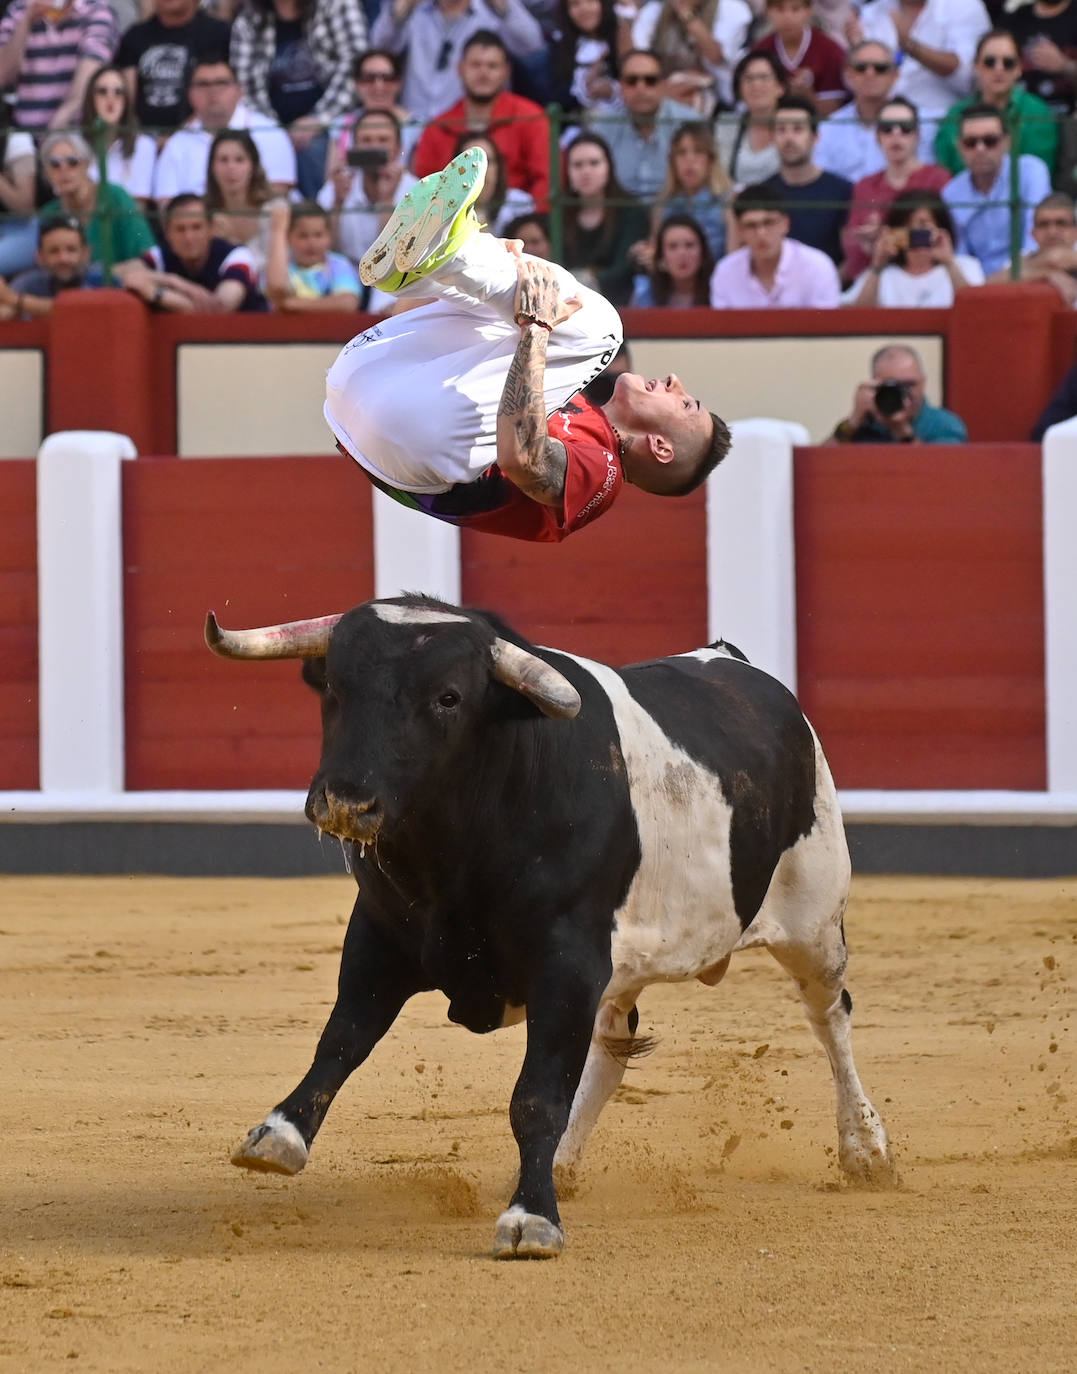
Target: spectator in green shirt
x,y
116,229
997,68
891,408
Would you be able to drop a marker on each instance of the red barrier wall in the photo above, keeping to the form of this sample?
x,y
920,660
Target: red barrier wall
x,y
18,627
631,586
920,613
258,540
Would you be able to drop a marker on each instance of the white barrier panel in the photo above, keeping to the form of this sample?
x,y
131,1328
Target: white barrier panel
x,y
414,553
80,610
1060,603
751,557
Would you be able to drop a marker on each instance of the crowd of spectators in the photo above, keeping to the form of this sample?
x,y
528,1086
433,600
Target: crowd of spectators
x,y
243,154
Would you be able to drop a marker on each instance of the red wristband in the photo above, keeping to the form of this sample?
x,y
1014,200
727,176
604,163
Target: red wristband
x,y
524,320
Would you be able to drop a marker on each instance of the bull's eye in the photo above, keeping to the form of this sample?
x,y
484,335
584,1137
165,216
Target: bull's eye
x,y
449,700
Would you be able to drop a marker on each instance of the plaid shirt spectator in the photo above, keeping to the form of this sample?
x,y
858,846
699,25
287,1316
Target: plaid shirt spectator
x,y
336,34
85,32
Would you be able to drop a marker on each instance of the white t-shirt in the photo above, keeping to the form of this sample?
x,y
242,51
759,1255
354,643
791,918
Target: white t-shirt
x,y
934,289
360,223
184,160
134,174
731,25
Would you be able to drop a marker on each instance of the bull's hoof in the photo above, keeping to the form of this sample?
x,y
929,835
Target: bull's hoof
x,y
274,1147
867,1163
523,1235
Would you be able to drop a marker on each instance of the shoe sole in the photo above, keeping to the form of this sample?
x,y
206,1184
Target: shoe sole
x,y
457,188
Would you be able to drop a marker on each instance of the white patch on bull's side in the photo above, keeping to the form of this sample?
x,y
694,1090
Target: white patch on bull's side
x,y
416,615
678,916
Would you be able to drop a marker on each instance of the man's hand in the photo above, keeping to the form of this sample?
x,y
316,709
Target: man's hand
x,y
863,405
538,296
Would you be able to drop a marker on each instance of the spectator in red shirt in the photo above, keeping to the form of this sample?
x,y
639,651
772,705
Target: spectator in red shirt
x,y
814,63
517,126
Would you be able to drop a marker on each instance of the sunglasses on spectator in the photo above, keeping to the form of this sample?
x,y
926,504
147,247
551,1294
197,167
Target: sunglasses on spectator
x,y
896,126
387,77
1008,64
444,55
879,68
650,79
970,141
71,161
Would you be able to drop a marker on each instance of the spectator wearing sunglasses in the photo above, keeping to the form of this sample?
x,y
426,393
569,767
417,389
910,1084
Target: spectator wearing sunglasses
x,y
1054,227
379,78
980,196
517,126
640,144
114,226
433,34
998,71
847,144
935,41
47,53
897,132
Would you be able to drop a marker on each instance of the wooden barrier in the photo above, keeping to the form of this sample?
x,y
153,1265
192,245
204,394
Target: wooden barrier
x,y
18,627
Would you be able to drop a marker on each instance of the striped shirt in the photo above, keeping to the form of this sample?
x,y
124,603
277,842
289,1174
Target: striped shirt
x,y
86,29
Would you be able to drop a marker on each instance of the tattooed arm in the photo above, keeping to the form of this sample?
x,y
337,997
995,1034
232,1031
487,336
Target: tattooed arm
x,y
525,452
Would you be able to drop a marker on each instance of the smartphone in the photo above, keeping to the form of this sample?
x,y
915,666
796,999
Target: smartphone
x,y
367,159
921,238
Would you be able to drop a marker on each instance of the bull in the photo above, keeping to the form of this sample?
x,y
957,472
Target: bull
x,y
540,836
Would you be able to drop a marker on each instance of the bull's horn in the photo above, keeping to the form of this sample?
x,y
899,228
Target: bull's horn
x,y
550,690
300,639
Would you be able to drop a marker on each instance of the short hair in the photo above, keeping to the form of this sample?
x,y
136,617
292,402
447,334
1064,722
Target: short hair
x,y
512,229
989,37
746,61
881,353
387,115
642,52
54,222
802,103
215,57
75,141
712,455
981,110
850,56
485,38
184,201
758,197
307,209
904,102
1056,200
367,53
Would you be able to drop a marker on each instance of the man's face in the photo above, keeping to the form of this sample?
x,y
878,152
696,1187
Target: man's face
x,y
64,256
870,72
984,146
897,131
175,12
793,137
1054,227
484,72
641,84
655,406
902,367
188,235
377,132
763,233
790,18
997,70
214,95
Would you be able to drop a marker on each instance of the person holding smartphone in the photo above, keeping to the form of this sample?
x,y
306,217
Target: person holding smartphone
x,y
913,261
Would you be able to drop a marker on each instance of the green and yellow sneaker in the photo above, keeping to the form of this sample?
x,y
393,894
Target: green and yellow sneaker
x,y
430,223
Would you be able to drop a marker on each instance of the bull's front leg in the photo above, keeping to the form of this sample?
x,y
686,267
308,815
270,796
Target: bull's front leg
x,y
561,1007
377,976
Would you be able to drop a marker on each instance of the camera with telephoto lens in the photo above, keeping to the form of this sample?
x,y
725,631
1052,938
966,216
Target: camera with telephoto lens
x,y
890,397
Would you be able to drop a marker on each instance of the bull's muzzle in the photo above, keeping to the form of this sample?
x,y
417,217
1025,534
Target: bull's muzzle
x,y
348,818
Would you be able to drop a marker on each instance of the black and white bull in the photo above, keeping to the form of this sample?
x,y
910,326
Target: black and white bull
x,y
541,836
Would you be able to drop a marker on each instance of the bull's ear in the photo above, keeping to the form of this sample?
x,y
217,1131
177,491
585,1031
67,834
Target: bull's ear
x,y
314,673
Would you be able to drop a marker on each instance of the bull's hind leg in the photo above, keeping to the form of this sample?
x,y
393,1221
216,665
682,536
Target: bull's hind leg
x,y
376,978
818,966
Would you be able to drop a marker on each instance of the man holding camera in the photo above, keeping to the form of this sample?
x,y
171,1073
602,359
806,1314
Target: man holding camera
x,y
892,407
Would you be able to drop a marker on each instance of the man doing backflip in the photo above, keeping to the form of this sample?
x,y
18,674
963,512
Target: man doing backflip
x,y
462,407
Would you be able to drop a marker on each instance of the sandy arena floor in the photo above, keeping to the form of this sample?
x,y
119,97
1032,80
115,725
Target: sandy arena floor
x,y
147,1023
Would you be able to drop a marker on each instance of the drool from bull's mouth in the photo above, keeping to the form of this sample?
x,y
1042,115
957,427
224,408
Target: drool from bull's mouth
x,y
520,799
